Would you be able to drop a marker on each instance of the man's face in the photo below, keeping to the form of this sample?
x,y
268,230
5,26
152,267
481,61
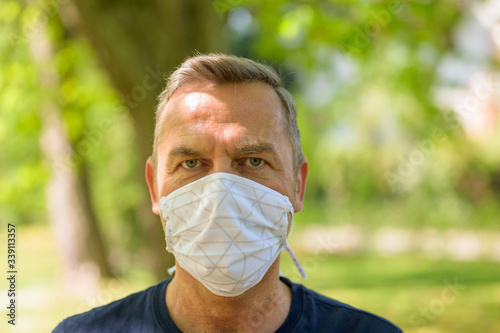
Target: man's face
x,y
235,128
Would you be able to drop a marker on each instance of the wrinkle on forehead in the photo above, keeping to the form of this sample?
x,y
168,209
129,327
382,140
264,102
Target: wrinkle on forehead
x,y
202,103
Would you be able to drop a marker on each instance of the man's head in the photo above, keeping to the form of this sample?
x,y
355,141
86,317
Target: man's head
x,y
222,113
220,70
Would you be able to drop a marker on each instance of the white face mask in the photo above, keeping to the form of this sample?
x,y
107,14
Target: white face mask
x,y
226,231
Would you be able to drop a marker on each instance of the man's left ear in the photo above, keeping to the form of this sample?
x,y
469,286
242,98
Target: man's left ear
x,y
301,186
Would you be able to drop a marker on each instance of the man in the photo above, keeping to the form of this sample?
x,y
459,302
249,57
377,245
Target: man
x,y
226,175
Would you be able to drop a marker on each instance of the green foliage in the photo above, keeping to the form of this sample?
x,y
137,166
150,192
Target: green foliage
x,y
23,174
409,290
96,122
365,75
381,150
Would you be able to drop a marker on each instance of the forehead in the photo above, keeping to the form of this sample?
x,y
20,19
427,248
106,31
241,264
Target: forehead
x,y
196,106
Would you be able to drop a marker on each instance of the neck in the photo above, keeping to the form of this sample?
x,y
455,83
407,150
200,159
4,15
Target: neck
x,y
262,308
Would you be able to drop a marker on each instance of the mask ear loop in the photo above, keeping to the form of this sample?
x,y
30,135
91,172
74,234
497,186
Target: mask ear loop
x,y
295,261
171,270
299,267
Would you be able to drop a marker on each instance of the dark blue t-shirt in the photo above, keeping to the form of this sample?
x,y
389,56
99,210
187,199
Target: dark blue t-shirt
x,y
146,311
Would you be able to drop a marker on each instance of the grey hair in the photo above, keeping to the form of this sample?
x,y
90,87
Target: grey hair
x,y
221,69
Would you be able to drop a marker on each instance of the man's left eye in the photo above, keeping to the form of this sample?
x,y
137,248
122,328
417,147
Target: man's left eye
x,y
254,161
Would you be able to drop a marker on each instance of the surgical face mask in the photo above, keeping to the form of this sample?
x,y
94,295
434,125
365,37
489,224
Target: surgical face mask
x,y
226,231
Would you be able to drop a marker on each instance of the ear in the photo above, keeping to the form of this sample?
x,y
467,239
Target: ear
x,y
301,186
150,180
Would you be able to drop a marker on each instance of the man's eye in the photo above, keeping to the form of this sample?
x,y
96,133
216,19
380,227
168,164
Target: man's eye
x,y
190,164
254,161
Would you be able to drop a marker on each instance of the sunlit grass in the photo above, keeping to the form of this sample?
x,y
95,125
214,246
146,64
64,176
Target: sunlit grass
x,y
412,292
398,288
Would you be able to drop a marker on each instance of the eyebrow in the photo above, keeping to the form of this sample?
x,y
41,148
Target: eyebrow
x,y
183,151
257,148
243,149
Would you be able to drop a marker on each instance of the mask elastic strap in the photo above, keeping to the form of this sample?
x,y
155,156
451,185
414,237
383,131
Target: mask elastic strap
x,y
296,261
171,270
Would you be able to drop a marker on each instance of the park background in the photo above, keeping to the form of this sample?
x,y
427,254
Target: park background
x,y
399,110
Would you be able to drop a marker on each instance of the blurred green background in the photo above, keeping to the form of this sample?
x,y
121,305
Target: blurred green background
x,y
399,111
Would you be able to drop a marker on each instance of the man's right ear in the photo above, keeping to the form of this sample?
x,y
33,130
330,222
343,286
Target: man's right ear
x,y
150,180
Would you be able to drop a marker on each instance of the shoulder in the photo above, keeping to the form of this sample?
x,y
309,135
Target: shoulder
x,y
319,313
134,313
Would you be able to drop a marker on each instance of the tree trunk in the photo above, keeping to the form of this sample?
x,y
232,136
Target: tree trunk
x,y
138,42
68,198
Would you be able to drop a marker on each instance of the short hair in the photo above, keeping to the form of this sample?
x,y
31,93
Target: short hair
x,y
221,69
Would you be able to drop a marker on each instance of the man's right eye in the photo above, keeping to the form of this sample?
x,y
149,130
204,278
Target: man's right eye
x,y
190,164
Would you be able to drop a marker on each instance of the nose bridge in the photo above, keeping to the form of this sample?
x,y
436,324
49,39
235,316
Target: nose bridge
x,y
222,159
222,163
